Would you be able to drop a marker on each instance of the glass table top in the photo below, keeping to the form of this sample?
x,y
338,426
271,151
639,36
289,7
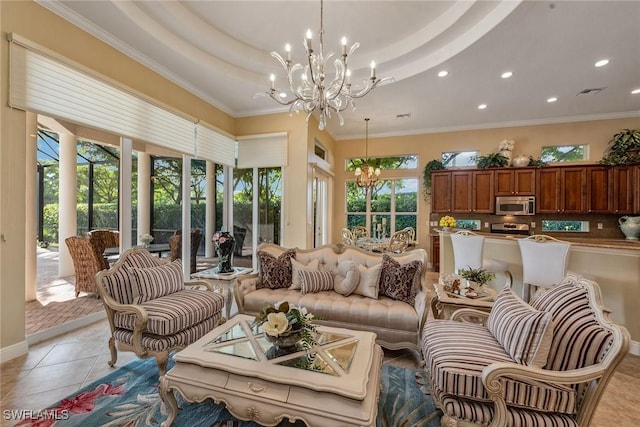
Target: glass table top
x,y
246,339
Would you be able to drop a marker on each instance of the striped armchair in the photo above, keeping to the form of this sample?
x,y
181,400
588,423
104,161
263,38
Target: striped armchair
x,y
544,364
151,310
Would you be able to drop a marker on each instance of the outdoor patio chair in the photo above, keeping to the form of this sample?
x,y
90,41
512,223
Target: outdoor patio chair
x,y
102,239
152,310
175,247
85,263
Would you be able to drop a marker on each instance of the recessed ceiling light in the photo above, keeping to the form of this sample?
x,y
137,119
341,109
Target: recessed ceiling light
x,y
635,91
602,63
482,106
282,94
507,74
443,73
552,99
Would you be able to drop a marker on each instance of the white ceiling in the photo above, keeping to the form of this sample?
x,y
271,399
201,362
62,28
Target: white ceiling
x,y
219,50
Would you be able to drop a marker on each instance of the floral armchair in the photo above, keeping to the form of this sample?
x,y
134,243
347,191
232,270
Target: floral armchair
x,y
151,310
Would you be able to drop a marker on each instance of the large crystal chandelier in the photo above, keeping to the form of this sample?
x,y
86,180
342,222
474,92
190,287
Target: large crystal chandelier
x,y
367,175
316,90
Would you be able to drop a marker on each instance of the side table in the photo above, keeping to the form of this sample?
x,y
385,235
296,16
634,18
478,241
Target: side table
x,y
444,303
224,282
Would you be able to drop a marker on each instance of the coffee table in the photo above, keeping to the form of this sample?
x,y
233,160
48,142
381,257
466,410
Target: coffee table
x,y
337,382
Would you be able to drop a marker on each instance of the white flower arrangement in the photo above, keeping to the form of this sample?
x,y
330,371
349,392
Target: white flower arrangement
x,y
506,145
146,238
281,319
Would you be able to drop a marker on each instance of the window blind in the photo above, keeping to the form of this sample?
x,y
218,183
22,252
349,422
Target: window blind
x,y
213,145
262,151
46,85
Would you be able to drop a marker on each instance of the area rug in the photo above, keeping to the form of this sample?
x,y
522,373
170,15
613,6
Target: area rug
x,y
129,397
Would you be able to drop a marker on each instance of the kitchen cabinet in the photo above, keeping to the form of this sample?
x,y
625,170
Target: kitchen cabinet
x,y
515,182
435,252
622,189
472,191
441,191
599,194
561,190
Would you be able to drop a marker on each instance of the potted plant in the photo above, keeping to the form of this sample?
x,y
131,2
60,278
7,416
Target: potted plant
x,y
426,174
624,148
480,276
492,160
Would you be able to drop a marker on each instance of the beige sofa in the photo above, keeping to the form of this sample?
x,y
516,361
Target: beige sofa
x,y
397,323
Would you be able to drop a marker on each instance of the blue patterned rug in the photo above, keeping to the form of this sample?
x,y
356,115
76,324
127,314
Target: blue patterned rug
x,y
129,397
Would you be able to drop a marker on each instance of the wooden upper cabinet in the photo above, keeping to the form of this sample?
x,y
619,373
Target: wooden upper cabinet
x,y
599,195
472,191
623,185
461,191
515,182
441,191
482,194
547,190
573,190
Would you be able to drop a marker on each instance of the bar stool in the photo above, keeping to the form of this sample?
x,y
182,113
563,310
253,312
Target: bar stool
x,y
544,262
467,252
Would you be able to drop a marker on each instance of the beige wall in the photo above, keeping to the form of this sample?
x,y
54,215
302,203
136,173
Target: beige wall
x,y
528,140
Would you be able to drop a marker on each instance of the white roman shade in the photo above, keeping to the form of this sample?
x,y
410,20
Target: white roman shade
x,y
45,84
262,151
213,145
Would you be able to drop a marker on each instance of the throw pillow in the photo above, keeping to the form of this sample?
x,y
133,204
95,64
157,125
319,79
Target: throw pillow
x,y
154,282
346,281
275,272
297,267
368,284
315,281
396,280
524,332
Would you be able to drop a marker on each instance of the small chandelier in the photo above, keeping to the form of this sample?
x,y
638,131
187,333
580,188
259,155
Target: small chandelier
x,y
316,90
367,176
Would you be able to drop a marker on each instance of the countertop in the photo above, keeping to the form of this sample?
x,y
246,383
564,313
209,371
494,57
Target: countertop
x,y
579,241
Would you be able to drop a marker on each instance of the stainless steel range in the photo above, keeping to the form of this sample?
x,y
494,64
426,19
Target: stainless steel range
x,y
510,228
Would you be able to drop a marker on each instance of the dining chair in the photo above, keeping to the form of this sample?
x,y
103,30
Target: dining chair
x,y
360,231
468,250
347,237
399,242
544,263
412,235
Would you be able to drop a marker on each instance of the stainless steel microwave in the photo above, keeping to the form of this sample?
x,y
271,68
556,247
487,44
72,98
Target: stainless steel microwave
x,y
516,205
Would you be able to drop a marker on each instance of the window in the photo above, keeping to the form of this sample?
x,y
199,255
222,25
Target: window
x,y
385,163
319,150
456,159
468,224
389,206
564,153
565,226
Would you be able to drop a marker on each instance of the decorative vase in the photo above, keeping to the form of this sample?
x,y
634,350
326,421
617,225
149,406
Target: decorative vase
x,y
630,226
521,161
286,340
225,245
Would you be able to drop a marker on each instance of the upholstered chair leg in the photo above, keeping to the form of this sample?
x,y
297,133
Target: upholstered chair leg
x,y
114,352
162,359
